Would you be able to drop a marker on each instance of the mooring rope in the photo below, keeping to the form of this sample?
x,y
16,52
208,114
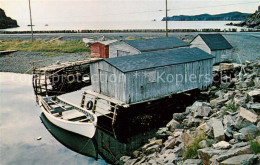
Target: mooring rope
x,y
108,148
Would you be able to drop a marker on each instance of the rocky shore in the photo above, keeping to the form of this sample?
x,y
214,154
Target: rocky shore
x,y
221,128
6,22
253,21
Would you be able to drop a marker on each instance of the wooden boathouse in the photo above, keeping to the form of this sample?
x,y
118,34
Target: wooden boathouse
x,y
214,44
130,47
151,75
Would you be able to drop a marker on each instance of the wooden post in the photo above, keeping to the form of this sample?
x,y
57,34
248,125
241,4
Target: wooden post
x,y
166,13
83,100
31,18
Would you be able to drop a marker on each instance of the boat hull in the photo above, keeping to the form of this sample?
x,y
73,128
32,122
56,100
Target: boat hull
x,y
84,129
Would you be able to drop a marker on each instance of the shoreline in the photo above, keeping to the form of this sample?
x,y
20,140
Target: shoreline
x,y
229,29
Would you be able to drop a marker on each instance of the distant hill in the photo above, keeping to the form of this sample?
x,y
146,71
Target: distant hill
x,y
6,22
232,16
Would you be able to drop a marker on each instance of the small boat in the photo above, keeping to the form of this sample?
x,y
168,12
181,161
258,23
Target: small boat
x,y
68,116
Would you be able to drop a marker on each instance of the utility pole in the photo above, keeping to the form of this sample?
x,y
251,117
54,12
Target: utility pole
x,y
166,13
31,19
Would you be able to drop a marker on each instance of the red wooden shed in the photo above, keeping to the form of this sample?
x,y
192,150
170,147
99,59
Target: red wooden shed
x,y
100,49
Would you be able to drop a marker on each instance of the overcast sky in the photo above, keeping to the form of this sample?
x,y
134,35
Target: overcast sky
x,y
127,10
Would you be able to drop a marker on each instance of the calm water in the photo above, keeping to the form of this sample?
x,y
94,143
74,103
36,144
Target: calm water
x,y
21,123
83,25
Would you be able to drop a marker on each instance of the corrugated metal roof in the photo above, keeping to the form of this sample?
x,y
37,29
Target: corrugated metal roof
x,y
216,41
108,42
156,44
158,59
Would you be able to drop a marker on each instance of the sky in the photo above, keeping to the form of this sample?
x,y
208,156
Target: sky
x,y
118,10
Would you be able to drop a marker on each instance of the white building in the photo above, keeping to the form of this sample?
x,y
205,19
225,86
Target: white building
x,y
214,44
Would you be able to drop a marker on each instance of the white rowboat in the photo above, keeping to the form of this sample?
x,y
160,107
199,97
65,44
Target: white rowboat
x,y
69,116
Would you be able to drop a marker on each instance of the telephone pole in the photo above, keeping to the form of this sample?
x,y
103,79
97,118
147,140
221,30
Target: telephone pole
x,y
166,13
31,19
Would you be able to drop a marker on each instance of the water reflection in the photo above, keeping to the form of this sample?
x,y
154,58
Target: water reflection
x,y
103,143
20,126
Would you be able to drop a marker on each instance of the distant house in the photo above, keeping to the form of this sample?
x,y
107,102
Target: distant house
x,y
152,75
100,49
214,44
130,47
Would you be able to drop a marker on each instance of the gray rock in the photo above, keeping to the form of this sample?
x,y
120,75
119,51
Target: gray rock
x,y
172,125
228,121
178,116
247,115
230,153
249,132
193,162
257,139
254,106
254,95
222,145
203,144
218,102
206,153
218,129
169,144
163,132
201,109
246,159
125,158
152,149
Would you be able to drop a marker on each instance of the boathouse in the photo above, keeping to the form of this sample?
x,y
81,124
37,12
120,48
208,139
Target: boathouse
x,y
151,75
130,47
101,49
214,44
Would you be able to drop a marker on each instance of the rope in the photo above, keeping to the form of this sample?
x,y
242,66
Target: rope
x,y
108,148
83,147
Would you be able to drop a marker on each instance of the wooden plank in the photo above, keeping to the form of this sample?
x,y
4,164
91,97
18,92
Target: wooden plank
x,y
72,114
100,96
7,52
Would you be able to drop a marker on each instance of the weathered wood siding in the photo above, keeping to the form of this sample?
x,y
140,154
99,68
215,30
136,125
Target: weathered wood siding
x,y
168,80
120,48
221,55
107,80
199,43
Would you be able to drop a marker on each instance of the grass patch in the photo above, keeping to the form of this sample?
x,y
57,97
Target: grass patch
x,y
230,107
255,146
138,38
67,46
51,54
191,151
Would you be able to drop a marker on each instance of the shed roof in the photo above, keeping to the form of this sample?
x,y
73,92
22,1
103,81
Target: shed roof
x,y
158,59
215,41
108,42
156,44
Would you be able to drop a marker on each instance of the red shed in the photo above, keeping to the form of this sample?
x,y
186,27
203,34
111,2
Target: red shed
x,y
100,49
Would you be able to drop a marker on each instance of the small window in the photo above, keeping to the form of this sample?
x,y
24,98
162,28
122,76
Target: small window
x,y
122,53
151,76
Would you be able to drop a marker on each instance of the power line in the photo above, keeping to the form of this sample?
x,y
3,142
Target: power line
x,y
160,10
